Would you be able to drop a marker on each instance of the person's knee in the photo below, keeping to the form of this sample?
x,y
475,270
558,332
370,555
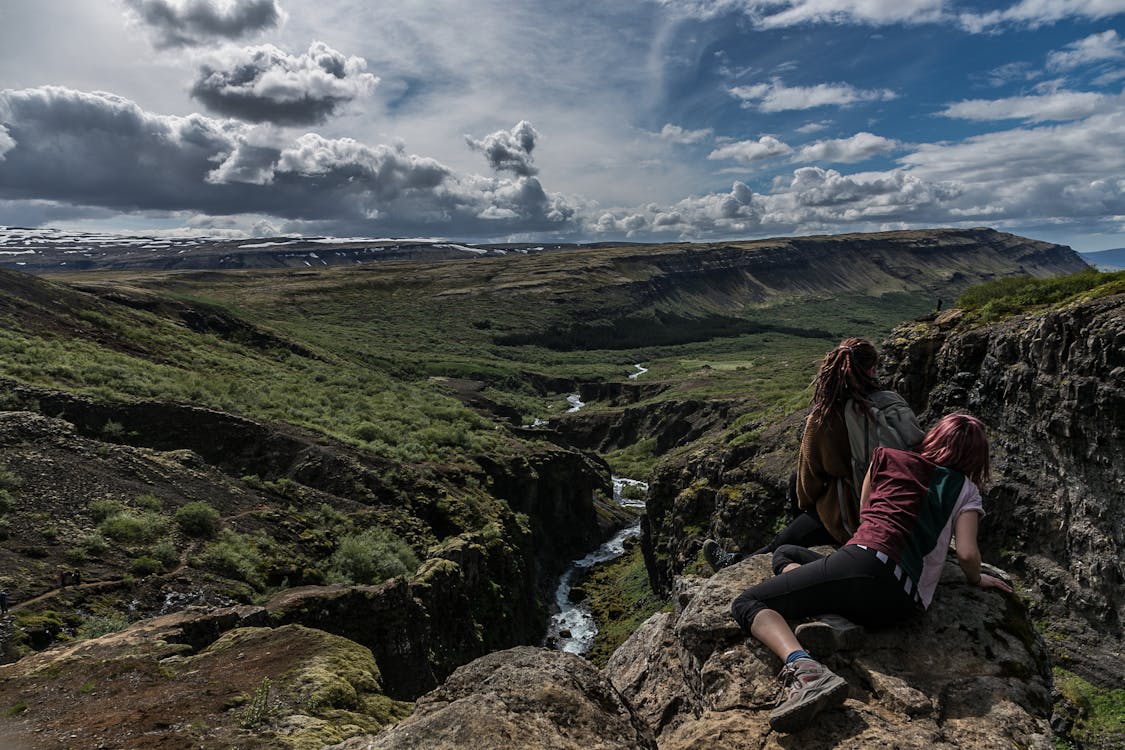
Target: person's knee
x,y
783,556
745,608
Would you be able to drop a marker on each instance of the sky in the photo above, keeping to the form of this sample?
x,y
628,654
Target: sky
x,y
564,120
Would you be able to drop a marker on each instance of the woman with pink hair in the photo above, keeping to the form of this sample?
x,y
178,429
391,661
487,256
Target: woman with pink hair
x,y
911,505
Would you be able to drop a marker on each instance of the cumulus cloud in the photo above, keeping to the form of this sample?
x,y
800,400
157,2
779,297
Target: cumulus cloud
x,y
1036,13
509,150
6,142
783,13
777,97
858,147
100,150
1059,106
265,84
676,134
747,152
1096,48
189,23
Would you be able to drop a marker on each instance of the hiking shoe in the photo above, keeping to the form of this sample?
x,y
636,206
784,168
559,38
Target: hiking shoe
x,y
717,557
808,688
828,634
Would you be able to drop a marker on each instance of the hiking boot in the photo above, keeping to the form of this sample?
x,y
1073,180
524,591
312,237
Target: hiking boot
x,y
808,687
828,634
717,557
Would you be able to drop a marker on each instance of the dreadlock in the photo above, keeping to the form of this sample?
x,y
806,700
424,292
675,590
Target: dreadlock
x,y
843,375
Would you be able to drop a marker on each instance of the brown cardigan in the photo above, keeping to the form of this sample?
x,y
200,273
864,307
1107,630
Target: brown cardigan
x,y
824,459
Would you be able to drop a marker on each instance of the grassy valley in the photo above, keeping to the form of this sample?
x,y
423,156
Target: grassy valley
x,y
226,437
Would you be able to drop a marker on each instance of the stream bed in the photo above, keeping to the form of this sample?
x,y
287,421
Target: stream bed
x,y
572,627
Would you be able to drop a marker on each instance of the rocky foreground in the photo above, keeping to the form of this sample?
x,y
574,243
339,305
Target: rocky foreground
x,y
971,673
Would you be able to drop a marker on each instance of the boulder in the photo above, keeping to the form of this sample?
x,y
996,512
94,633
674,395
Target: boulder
x,y
524,697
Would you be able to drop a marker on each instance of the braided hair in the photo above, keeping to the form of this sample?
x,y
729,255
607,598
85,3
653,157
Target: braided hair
x,y
845,373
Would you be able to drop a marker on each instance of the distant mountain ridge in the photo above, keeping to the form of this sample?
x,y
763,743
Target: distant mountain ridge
x,y
1112,259
49,251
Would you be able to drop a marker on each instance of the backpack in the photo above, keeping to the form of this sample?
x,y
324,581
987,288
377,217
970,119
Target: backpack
x,y
889,422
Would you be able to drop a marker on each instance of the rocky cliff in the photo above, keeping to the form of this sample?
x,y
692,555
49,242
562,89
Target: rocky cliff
x,y
1051,388
971,673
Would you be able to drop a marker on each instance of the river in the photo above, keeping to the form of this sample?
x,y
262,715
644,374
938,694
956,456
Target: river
x,y
572,627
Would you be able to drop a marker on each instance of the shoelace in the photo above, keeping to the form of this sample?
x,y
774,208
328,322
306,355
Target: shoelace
x,y
786,677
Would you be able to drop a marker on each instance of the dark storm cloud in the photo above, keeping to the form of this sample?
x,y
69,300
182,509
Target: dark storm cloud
x,y
99,150
265,84
509,150
188,23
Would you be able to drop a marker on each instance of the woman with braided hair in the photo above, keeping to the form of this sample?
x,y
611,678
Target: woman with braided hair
x,y
822,489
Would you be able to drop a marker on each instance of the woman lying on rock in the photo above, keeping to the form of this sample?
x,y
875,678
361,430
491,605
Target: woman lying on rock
x,y
911,505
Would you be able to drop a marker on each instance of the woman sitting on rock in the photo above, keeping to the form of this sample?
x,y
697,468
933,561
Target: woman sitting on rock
x,y
912,504
823,488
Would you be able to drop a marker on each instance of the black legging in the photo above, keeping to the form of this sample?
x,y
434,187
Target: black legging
x,y
805,530
851,582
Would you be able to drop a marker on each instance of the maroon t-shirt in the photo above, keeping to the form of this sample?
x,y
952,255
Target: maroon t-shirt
x,y
899,483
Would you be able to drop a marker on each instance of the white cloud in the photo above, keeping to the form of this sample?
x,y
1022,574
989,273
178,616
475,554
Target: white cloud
x,y
187,23
676,134
747,152
858,147
100,150
509,150
1035,13
265,84
1063,105
783,13
7,143
776,97
1095,48
813,127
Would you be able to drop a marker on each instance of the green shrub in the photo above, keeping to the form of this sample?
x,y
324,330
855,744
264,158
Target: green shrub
x,y
103,509
166,553
1011,295
149,501
98,625
371,557
94,545
198,519
7,501
145,566
234,555
133,529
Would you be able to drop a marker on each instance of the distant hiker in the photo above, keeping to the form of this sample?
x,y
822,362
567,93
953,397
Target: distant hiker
x,y
3,602
64,579
938,305
76,578
850,416
913,504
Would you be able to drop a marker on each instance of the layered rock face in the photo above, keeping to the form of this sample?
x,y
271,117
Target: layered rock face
x,y
1051,389
970,673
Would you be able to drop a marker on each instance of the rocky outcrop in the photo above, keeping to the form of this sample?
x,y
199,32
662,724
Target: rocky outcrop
x,y
522,698
670,424
971,673
1051,389
198,679
734,494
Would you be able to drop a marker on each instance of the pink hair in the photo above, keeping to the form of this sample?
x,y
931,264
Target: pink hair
x,y
958,442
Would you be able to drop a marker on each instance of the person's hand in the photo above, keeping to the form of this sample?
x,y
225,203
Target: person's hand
x,y
992,582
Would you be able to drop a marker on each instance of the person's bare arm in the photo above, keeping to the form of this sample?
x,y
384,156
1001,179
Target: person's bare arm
x,y
865,494
968,553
